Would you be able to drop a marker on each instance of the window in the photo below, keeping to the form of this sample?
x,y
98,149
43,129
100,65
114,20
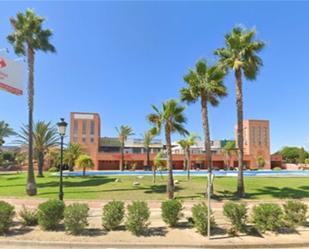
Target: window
x,y
265,136
246,136
260,136
75,139
91,127
253,135
92,140
84,127
84,139
75,127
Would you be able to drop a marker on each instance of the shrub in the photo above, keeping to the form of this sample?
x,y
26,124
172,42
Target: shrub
x,y
237,214
53,169
294,213
200,218
50,213
267,217
28,216
137,217
277,168
6,216
171,212
113,213
76,218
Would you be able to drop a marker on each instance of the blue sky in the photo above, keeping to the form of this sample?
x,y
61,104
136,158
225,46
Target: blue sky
x,y
118,58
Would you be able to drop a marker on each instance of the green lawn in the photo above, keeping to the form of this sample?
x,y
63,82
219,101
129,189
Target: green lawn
x,y
105,188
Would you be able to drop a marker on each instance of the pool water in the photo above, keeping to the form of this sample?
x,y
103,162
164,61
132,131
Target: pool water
x,y
223,173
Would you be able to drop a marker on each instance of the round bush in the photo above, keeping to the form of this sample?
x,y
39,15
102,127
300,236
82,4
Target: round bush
x,y
113,214
137,217
237,214
76,218
171,212
28,216
6,216
267,217
50,213
200,218
295,213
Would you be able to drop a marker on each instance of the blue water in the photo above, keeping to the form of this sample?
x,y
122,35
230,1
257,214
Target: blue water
x,y
264,173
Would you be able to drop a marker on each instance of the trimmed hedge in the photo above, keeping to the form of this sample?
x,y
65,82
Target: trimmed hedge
x,y
200,218
29,216
295,213
171,212
267,217
50,213
76,218
113,214
237,214
137,217
6,216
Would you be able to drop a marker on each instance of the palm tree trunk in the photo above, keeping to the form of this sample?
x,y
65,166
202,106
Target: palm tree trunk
x,y
148,156
40,164
188,163
207,141
84,171
31,186
122,156
170,181
239,104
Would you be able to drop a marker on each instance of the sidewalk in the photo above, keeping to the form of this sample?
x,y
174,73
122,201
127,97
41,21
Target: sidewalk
x,y
159,235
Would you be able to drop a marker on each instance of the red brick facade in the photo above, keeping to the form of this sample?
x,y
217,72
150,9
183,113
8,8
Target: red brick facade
x,y
85,130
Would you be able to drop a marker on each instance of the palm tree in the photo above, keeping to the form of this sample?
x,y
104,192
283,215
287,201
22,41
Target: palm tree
x,y
84,162
147,138
72,152
124,131
186,145
45,136
27,38
240,55
5,131
171,118
158,163
204,83
228,150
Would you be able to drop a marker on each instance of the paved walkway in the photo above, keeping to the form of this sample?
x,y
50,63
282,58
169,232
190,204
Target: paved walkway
x,y
159,235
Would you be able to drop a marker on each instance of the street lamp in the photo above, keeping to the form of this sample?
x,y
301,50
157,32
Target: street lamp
x,y
62,125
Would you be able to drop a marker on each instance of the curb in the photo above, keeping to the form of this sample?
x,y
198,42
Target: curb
x,y
78,245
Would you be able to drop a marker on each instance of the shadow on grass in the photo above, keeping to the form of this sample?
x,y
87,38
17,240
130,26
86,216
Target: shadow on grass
x,y
160,189
87,182
274,192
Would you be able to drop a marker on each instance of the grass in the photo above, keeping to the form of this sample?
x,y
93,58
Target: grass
x,y
105,187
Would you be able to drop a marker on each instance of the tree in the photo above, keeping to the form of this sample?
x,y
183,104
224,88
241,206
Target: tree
x,y
171,118
85,162
158,163
72,152
229,149
240,55
45,136
124,131
5,131
204,83
292,154
27,38
147,138
186,145
260,161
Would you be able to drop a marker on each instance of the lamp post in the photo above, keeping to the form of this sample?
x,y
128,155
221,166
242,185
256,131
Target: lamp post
x,y
61,130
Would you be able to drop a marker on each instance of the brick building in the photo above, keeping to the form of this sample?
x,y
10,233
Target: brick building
x,y
85,129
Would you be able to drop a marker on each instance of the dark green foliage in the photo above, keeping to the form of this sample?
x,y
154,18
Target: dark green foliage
x,y
267,217
293,154
237,214
76,218
294,213
171,212
29,217
50,213
199,216
137,217
6,216
53,169
113,214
